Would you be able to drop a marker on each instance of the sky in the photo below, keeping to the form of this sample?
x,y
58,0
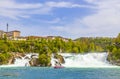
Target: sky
x,y
66,18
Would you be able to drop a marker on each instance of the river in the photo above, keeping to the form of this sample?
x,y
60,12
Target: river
x,y
76,66
63,73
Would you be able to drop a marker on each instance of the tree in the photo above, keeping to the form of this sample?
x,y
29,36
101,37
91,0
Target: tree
x,y
92,47
75,50
44,60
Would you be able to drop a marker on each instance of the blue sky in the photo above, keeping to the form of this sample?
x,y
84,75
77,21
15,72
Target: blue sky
x,y
67,18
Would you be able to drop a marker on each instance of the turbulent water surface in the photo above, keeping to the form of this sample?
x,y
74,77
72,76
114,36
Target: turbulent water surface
x,y
85,60
71,60
63,73
76,66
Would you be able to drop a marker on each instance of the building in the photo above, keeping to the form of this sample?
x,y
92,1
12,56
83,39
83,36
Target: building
x,y
10,35
14,34
1,34
53,37
33,37
21,38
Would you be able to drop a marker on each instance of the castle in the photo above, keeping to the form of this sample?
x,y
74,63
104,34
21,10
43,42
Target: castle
x,y
15,35
10,34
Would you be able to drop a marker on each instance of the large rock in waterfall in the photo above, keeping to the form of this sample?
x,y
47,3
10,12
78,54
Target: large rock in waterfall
x,y
34,62
59,58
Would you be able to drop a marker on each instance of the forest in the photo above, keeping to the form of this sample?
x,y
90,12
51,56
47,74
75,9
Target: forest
x,y
46,47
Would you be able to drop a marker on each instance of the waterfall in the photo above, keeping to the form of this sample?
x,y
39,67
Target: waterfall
x,y
22,61
71,60
85,60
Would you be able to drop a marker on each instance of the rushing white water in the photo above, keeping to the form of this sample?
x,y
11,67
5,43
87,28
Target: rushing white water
x,y
85,60
71,60
22,61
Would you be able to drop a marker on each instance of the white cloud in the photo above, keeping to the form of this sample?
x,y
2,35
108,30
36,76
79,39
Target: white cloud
x,y
56,20
66,5
104,22
14,10
11,4
107,17
74,28
92,1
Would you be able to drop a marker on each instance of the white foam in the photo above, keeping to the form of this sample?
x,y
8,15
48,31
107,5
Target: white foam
x,y
23,61
71,60
86,60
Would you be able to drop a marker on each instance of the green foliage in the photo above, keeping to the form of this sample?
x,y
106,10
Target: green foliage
x,y
56,45
44,60
75,50
4,58
45,47
114,49
55,50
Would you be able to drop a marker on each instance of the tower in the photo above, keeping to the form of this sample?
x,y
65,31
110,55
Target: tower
x,y
7,27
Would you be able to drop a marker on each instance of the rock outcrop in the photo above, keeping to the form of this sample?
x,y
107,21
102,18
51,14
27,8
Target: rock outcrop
x,y
11,60
112,60
15,55
34,62
33,59
59,58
